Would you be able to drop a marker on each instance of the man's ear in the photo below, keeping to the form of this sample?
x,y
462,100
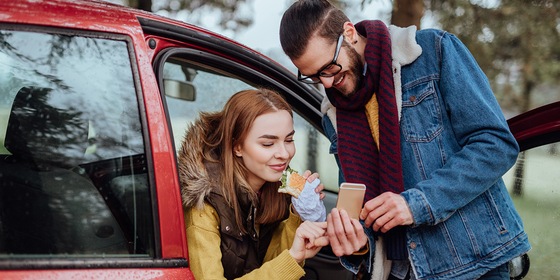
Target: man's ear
x,y
350,33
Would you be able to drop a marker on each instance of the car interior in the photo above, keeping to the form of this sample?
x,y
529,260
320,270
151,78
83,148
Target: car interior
x,y
44,189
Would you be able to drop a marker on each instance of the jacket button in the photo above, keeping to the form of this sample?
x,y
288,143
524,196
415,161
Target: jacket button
x,y
412,245
227,228
412,98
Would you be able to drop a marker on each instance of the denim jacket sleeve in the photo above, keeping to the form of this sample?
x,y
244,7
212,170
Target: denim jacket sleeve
x,y
353,262
333,138
482,147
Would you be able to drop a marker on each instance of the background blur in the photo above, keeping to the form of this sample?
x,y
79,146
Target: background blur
x,y
516,42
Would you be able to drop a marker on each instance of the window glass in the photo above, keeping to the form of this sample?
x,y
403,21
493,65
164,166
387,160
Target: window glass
x,y
213,87
533,185
72,159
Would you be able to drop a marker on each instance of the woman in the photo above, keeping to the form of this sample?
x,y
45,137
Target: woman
x,y
238,225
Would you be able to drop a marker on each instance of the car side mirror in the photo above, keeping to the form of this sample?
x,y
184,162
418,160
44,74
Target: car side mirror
x,y
519,267
183,90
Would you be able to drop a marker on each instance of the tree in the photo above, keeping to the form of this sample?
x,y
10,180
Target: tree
x,y
407,12
515,43
230,15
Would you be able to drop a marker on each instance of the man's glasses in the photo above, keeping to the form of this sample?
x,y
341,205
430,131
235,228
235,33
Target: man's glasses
x,y
328,71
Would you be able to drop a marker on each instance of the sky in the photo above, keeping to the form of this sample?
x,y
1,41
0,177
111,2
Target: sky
x,y
262,35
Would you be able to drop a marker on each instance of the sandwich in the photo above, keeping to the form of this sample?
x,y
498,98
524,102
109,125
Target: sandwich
x,y
292,182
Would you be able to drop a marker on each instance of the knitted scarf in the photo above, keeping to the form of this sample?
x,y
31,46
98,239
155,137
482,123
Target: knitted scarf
x,y
360,160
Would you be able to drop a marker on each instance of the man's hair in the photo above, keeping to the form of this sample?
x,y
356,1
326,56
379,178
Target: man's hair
x,y
308,18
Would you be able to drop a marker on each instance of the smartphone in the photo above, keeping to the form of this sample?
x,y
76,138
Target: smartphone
x,y
351,198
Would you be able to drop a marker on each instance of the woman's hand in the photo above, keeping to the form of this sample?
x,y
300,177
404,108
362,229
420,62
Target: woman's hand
x,y
309,239
310,177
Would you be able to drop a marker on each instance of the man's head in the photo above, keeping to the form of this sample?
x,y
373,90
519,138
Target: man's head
x,y
323,44
308,18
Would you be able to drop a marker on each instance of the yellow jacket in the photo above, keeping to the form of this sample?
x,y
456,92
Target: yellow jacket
x,y
203,236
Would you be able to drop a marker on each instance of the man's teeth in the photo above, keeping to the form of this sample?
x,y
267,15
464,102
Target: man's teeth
x,y
339,80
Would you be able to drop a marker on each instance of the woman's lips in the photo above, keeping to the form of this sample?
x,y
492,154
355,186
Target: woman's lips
x,y
278,167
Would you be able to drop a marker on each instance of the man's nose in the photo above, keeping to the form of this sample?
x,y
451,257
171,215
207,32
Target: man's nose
x,y
327,81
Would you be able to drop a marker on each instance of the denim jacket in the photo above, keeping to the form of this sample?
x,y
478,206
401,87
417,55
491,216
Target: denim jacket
x,y
456,146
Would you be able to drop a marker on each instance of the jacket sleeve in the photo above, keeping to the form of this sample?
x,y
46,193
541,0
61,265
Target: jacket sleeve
x,y
283,236
205,256
486,147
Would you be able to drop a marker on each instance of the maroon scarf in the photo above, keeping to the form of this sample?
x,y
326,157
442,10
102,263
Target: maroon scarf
x,y
360,160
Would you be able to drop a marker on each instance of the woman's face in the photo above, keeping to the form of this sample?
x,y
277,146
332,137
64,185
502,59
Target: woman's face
x,y
268,148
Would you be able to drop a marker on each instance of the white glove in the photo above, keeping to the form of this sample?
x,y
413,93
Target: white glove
x,y
309,205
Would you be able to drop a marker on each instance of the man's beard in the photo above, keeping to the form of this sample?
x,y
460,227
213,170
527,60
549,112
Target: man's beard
x,y
356,68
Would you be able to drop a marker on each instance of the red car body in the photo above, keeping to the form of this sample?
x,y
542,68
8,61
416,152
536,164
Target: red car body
x,y
100,18
103,17
152,40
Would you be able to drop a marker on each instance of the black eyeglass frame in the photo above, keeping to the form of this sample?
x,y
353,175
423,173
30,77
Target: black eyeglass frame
x,y
311,79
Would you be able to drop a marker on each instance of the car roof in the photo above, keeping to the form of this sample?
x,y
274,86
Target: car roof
x,y
92,15
105,17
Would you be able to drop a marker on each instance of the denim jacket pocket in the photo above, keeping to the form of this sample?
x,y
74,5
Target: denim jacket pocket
x,y
421,113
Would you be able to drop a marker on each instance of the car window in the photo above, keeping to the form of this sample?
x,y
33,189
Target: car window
x,y
533,185
73,173
207,86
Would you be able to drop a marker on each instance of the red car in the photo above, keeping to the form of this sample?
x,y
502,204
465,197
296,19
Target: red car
x,y
94,101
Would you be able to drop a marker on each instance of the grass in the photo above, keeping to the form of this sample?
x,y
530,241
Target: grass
x,y
539,207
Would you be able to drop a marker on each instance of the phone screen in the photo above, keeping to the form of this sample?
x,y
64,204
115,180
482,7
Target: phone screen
x,y
351,198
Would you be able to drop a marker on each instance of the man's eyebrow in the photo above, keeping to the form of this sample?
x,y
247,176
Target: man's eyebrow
x,y
319,70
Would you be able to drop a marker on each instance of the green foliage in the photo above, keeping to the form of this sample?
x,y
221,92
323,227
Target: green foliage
x,y
514,41
230,17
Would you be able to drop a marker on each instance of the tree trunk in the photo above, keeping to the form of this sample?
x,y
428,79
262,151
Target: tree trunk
x,y
517,189
407,12
145,5
520,167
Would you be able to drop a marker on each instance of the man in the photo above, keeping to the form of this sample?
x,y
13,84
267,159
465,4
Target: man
x,y
417,122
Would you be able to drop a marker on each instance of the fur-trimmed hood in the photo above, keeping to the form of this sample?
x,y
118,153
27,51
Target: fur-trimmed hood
x,y
198,177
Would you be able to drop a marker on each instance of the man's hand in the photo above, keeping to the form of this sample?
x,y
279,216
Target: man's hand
x,y
386,211
346,235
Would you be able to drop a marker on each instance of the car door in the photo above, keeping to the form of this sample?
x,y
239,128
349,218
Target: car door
x,y
533,184
203,77
77,189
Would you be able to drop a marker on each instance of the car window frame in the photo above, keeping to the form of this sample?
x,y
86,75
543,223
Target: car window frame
x,y
155,261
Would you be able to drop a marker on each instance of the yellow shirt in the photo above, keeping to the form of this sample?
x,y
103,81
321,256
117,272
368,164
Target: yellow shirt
x,y
372,112
205,256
